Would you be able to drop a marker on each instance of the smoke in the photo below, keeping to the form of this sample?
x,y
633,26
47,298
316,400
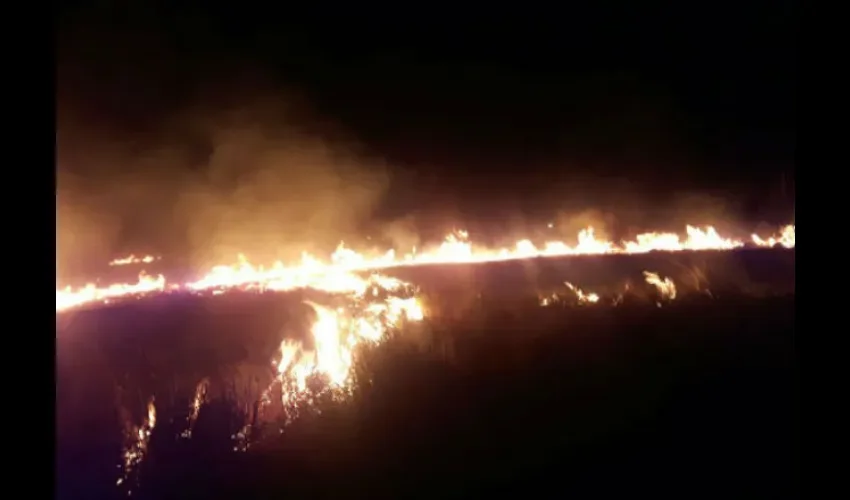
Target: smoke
x,y
267,195
402,234
632,214
603,223
702,209
266,176
208,183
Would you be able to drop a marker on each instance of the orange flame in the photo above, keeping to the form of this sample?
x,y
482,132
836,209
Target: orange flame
x,y
338,275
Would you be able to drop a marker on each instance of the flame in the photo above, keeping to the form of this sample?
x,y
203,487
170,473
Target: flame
x,y
136,446
339,275
785,238
666,288
68,298
132,259
376,305
338,332
195,407
583,297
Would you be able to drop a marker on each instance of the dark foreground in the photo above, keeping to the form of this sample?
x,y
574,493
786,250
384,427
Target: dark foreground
x,y
697,399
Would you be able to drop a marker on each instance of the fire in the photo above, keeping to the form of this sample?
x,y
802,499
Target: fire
x,y
68,298
339,275
785,239
132,259
195,407
698,239
369,307
337,332
583,297
136,446
666,288
374,307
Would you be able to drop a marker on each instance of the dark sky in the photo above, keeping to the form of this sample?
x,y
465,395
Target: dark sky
x,y
200,131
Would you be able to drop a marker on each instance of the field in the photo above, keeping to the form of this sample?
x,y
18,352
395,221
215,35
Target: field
x,y
690,397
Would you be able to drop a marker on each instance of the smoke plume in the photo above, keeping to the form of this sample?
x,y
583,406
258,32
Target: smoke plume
x,y
267,179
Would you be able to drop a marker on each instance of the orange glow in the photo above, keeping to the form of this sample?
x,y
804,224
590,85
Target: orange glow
x,y
336,275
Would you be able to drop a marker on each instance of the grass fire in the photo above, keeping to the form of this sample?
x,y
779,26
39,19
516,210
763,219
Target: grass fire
x,y
370,366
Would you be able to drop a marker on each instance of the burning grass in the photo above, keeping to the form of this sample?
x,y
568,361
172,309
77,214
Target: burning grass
x,y
389,364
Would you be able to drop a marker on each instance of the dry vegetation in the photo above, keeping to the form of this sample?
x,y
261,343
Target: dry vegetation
x,y
491,386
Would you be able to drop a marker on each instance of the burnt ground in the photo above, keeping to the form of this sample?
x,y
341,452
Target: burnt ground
x,y
697,398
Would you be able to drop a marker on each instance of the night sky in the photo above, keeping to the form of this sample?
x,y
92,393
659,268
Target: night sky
x,y
197,133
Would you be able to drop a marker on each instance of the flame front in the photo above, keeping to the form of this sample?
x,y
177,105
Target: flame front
x,y
132,259
68,298
338,274
373,306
